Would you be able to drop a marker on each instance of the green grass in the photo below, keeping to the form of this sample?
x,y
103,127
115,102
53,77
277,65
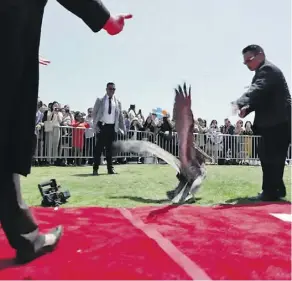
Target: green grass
x,y
138,185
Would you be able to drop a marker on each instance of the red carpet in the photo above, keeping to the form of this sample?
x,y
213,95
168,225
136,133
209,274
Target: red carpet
x,y
187,243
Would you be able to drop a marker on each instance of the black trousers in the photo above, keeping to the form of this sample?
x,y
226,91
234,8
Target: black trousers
x,y
104,139
272,149
16,219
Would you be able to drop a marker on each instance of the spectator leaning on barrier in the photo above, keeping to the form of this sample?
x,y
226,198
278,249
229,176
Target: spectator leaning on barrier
x,y
39,117
201,129
136,129
52,129
149,127
79,125
66,137
132,112
136,133
248,128
238,130
140,117
38,127
250,143
166,138
67,116
89,138
126,120
212,147
228,142
239,145
155,118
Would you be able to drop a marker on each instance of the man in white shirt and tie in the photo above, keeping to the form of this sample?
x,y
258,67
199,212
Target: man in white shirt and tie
x,y
108,120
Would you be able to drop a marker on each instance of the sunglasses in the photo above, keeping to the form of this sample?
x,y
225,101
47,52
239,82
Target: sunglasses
x,y
111,89
247,61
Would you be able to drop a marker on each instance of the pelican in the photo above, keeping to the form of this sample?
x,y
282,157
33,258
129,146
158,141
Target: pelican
x,y
190,167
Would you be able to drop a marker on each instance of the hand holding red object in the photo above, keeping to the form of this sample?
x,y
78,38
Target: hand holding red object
x,y
243,112
115,24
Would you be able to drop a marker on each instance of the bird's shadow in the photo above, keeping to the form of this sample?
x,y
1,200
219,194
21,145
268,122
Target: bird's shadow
x,y
7,263
152,201
154,215
248,202
141,199
89,175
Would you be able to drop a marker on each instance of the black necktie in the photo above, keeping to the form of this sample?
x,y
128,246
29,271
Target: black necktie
x,y
109,105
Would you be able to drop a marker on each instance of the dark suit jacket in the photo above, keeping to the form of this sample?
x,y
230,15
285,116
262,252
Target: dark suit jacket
x,y
268,96
20,29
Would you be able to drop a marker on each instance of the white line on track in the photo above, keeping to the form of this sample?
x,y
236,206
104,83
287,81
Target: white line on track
x,y
189,266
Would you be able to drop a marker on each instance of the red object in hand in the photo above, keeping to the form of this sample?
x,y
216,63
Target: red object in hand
x,y
115,25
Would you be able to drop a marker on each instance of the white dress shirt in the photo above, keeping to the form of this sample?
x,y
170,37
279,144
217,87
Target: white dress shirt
x,y
109,118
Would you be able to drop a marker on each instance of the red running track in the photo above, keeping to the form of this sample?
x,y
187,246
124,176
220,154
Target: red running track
x,y
185,242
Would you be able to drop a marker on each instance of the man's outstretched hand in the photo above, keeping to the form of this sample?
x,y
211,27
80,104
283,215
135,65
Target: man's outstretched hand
x,y
243,112
115,24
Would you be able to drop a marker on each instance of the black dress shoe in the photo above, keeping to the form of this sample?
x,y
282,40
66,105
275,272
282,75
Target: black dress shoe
x,y
23,257
282,193
264,197
111,172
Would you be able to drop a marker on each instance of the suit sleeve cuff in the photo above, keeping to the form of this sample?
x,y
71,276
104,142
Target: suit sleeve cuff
x,y
92,12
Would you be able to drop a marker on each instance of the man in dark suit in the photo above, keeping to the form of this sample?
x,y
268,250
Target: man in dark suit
x,y
108,121
269,97
20,29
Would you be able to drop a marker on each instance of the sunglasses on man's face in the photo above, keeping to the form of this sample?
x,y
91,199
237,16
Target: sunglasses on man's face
x,y
111,89
247,61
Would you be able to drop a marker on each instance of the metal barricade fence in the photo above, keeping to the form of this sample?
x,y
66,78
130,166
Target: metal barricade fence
x,y
72,144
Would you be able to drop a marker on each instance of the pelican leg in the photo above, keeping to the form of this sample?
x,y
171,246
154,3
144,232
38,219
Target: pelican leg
x,y
196,185
188,191
170,194
174,192
182,194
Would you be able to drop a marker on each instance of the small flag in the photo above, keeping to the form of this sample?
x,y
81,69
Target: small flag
x,y
44,61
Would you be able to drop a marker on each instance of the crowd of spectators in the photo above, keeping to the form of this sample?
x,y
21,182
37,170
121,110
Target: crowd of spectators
x,y
66,137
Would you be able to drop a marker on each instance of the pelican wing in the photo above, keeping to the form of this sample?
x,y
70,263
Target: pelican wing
x,y
147,147
184,123
202,154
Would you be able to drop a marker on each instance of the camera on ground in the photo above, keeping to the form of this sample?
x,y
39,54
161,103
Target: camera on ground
x,y
51,194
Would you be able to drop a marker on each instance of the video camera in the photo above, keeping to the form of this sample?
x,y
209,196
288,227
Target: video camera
x,y
51,194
